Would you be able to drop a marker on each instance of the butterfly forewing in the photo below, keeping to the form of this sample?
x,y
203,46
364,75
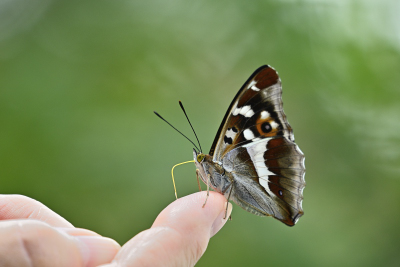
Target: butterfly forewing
x,y
255,112
255,142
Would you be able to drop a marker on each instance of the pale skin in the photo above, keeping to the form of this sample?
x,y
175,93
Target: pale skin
x,y
33,235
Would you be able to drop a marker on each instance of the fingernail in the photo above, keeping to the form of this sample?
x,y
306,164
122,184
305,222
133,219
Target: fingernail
x,y
97,250
221,220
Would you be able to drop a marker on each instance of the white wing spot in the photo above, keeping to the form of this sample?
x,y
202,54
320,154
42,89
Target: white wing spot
x,y
264,114
230,134
249,113
274,125
254,88
248,134
251,84
245,111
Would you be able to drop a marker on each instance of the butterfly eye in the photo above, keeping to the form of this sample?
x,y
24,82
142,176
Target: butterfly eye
x,y
200,157
266,127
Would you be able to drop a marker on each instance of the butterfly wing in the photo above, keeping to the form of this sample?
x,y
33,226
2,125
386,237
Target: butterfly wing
x,y
258,101
256,143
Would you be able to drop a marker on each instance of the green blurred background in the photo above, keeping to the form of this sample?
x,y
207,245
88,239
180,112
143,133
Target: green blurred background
x,y
79,81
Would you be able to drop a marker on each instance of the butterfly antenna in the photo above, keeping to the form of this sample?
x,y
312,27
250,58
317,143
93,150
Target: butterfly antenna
x,y
180,103
176,130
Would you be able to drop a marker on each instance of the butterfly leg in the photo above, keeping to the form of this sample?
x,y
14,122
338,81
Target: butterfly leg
x,y
198,180
208,189
227,201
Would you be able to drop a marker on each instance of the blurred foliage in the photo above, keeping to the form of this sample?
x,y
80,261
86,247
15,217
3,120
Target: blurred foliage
x,y
79,81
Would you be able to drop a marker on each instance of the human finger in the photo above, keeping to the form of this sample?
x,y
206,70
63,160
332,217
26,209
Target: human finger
x,y
179,235
22,207
34,243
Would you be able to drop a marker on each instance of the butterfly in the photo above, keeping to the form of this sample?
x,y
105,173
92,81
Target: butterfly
x,y
254,160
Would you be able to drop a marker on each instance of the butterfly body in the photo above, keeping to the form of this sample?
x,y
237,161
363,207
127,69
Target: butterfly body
x,y
254,160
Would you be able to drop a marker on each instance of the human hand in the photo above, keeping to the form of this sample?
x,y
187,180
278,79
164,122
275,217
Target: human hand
x,y
33,235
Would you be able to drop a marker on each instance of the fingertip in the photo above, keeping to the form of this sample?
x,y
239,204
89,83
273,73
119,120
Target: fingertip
x,y
194,223
179,235
222,218
97,250
190,208
15,206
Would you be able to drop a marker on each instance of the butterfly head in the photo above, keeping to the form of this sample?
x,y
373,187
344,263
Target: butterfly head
x,y
202,163
200,157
